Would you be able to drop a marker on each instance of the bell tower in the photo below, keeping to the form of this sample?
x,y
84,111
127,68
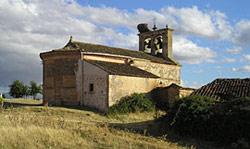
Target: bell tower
x,y
155,42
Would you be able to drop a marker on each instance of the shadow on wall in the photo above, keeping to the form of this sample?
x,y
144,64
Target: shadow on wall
x,y
166,96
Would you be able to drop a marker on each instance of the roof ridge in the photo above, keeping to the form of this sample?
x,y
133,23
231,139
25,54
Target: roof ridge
x,y
133,50
98,48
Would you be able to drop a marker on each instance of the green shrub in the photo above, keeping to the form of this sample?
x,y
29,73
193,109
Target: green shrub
x,y
191,112
134,103
1,101
231,121
203,117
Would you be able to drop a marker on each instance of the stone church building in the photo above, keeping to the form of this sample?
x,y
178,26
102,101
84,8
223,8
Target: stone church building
x,y
98,76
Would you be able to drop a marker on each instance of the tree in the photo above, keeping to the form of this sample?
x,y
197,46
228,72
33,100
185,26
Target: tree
x,y
26,91
34,89
18,89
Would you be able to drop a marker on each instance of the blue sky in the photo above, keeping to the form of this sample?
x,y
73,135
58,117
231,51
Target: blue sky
x,y
211,39
236,9
193,74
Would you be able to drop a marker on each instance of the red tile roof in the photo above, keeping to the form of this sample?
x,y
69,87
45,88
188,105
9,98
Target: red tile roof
x,y
95,48
225,89
122,69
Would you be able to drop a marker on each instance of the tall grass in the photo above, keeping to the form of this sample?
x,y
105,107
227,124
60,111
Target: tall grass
x,y
48,127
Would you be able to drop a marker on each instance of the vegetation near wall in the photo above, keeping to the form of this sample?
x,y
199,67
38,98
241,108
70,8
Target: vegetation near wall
x,y
225,122
1,102
133,103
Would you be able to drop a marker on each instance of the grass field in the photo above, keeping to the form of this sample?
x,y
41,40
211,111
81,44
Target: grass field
x,y
56,127
23,101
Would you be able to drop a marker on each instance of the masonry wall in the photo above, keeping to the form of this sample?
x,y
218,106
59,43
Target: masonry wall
x,y
173,94
104,58
164,71
186,92
168,73
98,97
59,80
169,95
67,79
120,86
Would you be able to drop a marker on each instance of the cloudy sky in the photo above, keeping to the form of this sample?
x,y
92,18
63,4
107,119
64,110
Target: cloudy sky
x,y
211,39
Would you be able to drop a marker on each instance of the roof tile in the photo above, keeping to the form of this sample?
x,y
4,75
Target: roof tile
x,y
121,69
95,48
225,89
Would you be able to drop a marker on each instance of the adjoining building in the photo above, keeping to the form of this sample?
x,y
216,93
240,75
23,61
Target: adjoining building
x,y
225,89
98,76
167,96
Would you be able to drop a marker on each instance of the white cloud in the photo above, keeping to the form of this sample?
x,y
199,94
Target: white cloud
x,y
106,15
191,21
188,52
247,57
30,27
221,25
245,68
234,50
235,69
242,33
229,60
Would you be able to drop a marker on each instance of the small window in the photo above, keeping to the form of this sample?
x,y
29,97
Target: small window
x,y
91,87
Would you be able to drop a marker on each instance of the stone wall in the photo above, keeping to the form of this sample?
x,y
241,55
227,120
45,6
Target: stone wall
x,y
168,73
173,94
104,58
59,80
97,97
186,92
120,86
165,71
168,95
67,79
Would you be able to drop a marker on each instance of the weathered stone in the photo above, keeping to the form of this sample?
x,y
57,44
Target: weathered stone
x,y
98,76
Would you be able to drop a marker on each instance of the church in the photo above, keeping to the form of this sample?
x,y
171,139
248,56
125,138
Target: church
x,y
98,76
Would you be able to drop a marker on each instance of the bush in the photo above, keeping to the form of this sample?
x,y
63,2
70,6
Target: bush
x,y
203,117
134,103
1,102
231,121
191,112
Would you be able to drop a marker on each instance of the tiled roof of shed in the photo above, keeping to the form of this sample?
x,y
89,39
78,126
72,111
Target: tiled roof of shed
x,y
121,69
180,87
95,48
225,89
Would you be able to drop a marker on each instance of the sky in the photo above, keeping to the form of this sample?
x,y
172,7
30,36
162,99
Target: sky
x,y
211,38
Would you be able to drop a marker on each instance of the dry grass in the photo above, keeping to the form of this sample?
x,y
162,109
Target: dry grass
x,y
23,101
55,127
